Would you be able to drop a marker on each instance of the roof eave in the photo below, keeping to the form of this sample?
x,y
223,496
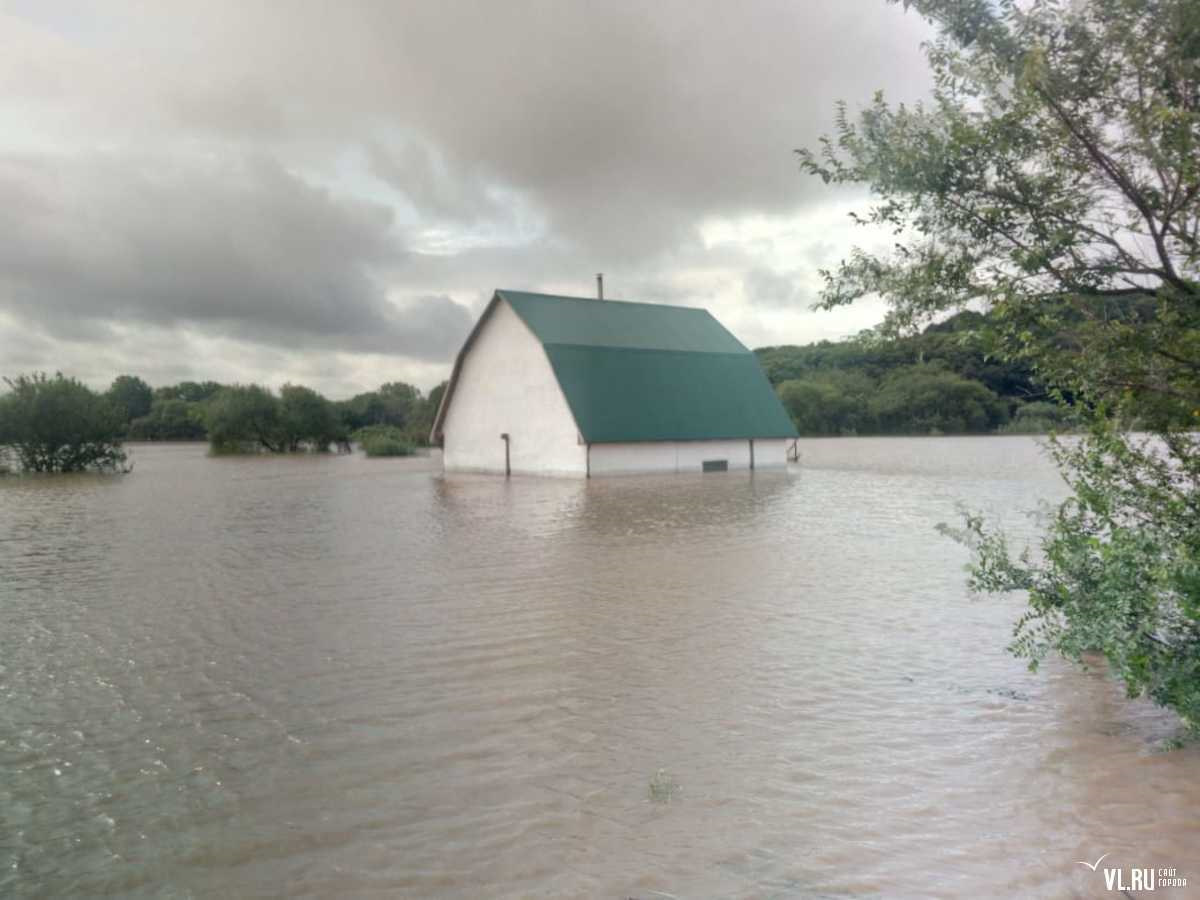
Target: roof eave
x,y
435,433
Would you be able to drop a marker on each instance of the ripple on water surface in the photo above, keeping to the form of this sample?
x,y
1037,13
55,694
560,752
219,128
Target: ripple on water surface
x,y
348,677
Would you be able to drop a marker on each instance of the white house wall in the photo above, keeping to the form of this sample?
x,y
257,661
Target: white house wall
x,y
506,385
685,456
771,453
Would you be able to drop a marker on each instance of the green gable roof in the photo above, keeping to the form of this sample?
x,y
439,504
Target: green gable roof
x,y
647,372
615,323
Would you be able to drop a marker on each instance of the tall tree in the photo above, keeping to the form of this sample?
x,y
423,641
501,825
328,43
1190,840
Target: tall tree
x,y
1054,179
399,402
245,418
131,397
307,418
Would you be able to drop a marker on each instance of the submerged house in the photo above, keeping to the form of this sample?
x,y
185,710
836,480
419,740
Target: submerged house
x,y
551,385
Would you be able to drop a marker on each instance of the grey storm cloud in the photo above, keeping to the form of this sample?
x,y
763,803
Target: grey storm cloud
x,y
624,121
414,169
357,177
790,288
246,248
767,287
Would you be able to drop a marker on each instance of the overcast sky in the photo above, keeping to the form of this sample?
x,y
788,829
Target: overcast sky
x,y
328,193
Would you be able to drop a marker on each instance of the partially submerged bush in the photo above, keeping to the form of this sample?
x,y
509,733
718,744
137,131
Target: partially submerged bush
x,y
663,787
308,420
383,440
59,425
244,419
1041,417
249,419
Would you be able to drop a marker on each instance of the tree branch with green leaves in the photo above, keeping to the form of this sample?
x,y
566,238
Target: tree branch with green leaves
x,y
1053,180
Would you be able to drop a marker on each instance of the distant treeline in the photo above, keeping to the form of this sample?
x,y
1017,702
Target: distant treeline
x,y
295,418
58,424
941,381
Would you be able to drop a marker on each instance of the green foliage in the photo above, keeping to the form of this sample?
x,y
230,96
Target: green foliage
x,y
663,788
1054,180
831,388
307,420
936,382
929,400
1118,571
395,404
922,399
169,420
962,343
130,396
249,418
59,425
1042,417
830,403
383,440
245,419
190,391
400,401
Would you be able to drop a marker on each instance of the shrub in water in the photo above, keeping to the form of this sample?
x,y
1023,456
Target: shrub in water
x,y
383,440
59,425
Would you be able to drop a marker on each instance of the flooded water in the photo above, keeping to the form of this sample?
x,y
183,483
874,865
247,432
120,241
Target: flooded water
x,y
340,677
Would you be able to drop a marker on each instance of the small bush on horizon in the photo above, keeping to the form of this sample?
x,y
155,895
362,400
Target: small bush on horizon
x,y
383,440
1041,417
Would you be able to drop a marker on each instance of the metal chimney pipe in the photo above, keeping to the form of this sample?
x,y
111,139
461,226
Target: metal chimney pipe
x,y
599,285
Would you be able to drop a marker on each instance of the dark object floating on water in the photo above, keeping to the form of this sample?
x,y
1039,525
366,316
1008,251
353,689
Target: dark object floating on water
x,y
1010,694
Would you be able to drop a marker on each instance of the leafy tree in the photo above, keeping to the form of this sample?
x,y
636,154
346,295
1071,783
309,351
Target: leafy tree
x,y
245,418
958,343
929,400
130,396
360,410
307,418
830,403
169,420
248,418
1054,180
396,404
399,402
59,425
919,399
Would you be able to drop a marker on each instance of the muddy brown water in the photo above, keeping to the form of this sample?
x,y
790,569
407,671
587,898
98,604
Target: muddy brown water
x,y
324,677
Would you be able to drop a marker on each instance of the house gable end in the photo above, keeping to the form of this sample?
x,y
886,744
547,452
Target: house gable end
x,y
508,407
